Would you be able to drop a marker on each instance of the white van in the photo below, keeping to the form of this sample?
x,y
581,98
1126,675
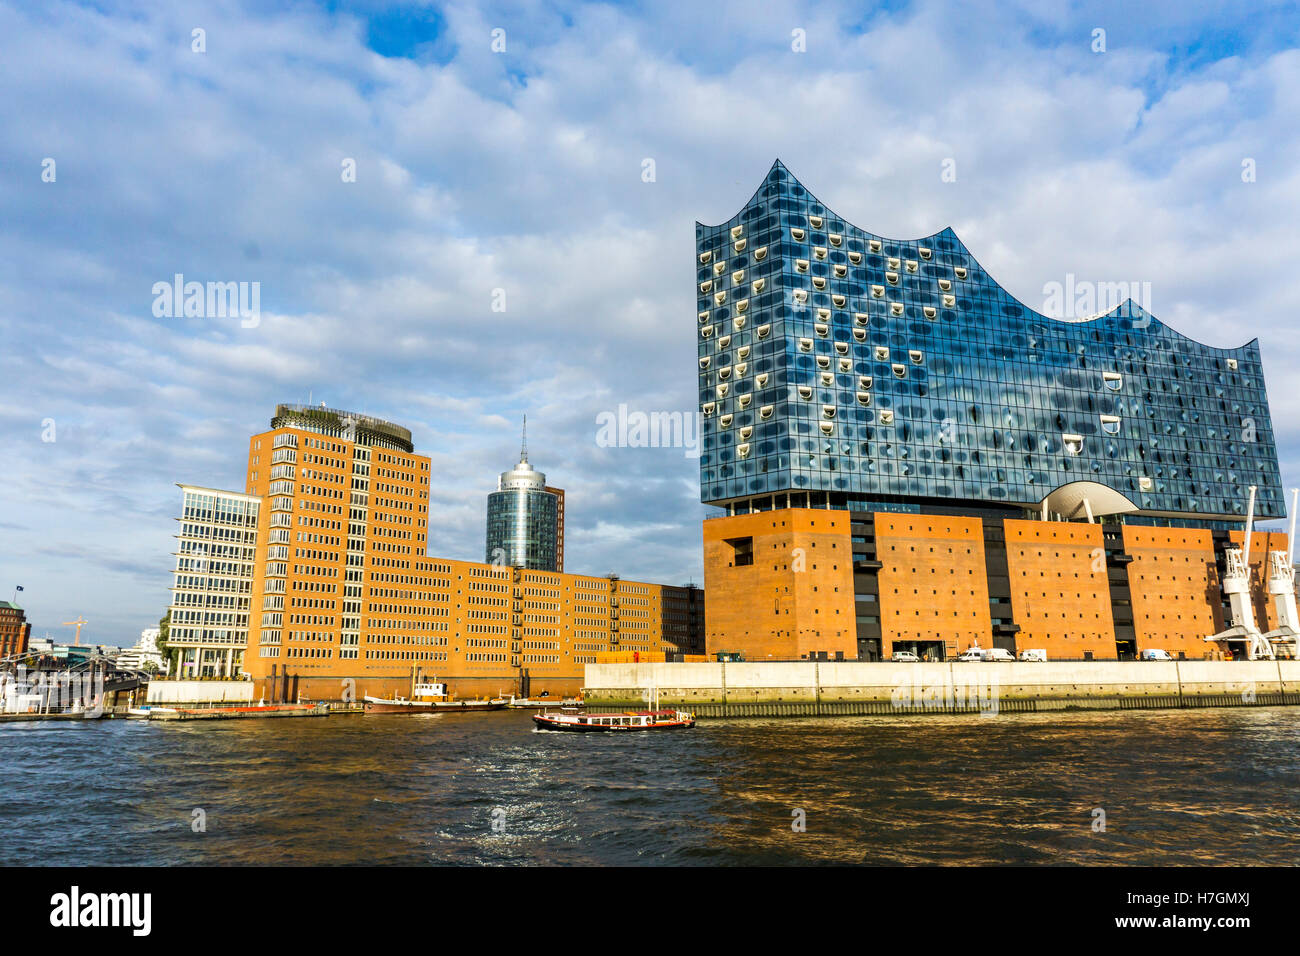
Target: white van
x,y
972,654
998,654
905,657
1155,654
1033,654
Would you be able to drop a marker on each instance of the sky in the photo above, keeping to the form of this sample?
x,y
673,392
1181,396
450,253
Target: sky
x,y
518,237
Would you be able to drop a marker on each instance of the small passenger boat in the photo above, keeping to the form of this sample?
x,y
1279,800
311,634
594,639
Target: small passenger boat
x,y
429,698
627,721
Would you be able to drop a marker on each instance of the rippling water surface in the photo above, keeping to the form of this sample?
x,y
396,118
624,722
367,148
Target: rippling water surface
x,y
1211,786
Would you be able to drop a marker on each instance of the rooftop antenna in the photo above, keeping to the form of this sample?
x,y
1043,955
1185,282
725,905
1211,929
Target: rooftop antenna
x,y
523,448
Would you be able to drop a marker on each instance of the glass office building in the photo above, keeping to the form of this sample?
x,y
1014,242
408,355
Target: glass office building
x,y
213,581
523,520
838,368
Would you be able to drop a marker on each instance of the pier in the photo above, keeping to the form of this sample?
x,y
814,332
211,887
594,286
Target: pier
x,y
822,688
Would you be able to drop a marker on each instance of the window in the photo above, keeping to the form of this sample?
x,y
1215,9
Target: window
x,y
1113,380
705,257
796,234
760,254
805,392
1110,424
742,551
1073,443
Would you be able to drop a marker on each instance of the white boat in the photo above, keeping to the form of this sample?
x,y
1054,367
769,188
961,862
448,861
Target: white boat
x,y
429,698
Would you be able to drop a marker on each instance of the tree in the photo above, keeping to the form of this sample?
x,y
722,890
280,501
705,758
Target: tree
x,y
164,625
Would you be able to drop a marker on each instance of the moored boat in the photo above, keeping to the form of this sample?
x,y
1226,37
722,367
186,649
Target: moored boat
x,y
627,721
429,698
538,703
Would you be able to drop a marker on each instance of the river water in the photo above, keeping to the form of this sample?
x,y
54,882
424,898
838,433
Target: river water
x,y
1175,787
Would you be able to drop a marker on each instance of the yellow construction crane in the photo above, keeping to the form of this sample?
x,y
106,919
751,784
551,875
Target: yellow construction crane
x,y
77,624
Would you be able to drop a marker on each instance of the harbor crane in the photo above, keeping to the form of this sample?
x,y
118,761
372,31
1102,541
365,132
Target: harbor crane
x,y
77,624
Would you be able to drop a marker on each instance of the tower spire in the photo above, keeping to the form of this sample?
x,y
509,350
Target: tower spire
x,y
523,447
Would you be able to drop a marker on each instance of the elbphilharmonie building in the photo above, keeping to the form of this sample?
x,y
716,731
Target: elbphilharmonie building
x,y
843,367
911,460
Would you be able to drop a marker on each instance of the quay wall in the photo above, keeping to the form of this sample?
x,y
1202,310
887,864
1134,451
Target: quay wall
x,y
811,688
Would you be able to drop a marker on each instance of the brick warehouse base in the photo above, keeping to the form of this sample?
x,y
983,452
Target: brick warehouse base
x,y
825,584
798,688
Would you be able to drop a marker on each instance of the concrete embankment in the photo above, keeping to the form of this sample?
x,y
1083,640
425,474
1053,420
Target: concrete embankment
x,y
181,692
807,688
